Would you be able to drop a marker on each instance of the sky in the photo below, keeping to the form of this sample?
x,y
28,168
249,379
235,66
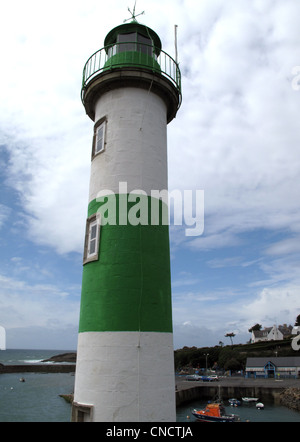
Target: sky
x,y
236,137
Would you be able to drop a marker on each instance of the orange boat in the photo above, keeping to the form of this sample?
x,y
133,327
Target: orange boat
x,y
214,413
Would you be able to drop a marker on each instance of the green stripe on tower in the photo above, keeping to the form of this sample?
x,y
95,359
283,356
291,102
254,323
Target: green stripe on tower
x,y
129,287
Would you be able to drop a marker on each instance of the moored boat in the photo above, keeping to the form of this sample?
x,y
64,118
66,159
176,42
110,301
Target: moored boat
x,y
214,412
234,402
260,406
250,399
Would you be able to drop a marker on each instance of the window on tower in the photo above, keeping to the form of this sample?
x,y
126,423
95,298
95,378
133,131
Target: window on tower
x,y
81,412
99,137
128,42
92,239
144,45
132,42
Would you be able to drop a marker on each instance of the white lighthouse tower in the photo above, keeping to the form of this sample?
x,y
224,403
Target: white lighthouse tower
x,y
125,368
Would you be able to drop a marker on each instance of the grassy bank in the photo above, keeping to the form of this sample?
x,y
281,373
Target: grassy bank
x,y
229,357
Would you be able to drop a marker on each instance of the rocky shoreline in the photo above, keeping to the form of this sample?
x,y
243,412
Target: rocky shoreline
x,y
290,398
37,368
63,363
64,357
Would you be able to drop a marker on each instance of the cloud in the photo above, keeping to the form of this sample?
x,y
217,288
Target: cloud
x,y
34,337
276,305
215,241
195,311
37,305
195,335
236,136
284,247
52,188
236,121
4,213
242,147
226,262
209,319
43,124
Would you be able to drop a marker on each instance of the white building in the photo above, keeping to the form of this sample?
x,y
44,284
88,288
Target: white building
x,y
268,334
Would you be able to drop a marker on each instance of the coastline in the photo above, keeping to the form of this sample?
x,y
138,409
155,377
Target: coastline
x,y
61,363
284,391
38,368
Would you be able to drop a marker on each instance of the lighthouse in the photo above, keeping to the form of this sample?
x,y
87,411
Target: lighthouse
x,y
125,367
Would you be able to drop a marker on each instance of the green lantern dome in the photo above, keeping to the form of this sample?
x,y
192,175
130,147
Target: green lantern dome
x,y
132,55
132,44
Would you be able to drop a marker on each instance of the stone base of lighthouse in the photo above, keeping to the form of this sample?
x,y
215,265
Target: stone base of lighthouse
x,y
124,377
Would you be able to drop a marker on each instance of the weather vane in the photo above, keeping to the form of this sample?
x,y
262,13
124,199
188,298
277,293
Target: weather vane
x,y
133,15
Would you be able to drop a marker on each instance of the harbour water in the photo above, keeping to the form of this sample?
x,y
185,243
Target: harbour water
x,y
246,412
37,399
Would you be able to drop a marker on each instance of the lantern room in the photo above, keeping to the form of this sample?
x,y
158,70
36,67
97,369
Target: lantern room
x,y
132,44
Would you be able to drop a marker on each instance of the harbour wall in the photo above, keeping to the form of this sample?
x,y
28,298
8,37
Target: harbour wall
x,y
265,390
38,368
210,392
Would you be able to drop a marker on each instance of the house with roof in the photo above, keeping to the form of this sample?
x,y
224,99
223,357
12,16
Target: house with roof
x,y
273,367
296,330
271,333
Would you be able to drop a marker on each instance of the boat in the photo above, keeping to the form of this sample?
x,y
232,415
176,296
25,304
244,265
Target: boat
x,y
214,412
250,399
260,406
234,402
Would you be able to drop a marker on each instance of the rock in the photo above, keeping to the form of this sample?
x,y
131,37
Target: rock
x,y
64,357
290,398
68,397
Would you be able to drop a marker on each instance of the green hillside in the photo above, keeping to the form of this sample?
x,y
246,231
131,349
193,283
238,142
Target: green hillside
x,y
230,357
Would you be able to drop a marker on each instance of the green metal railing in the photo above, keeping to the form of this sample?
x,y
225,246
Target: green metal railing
x,y
131,54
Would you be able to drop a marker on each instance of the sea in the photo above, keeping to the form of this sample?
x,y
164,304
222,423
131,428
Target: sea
x,y
38,398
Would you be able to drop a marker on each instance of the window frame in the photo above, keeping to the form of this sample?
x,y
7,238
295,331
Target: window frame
x,y
127,42
101,124
91,222
135,42
145,45
82,412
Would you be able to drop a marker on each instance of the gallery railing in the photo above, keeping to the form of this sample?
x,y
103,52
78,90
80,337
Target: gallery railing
x,y
131,54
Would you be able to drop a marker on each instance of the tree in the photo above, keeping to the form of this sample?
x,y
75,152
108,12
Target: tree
x,y
230,335
255,327
297,323
233,364
227,354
